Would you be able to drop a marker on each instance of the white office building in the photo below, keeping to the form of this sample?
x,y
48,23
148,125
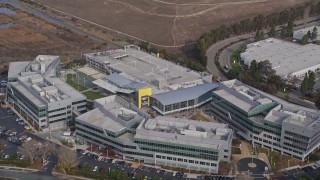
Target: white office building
x,y
40,96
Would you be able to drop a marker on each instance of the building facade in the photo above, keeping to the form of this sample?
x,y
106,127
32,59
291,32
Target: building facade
x,y
182,99
259,118
37,94
182,143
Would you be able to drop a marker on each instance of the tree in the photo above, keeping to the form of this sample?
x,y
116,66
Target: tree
x,y
30,149
311,81
317,101
314,33
46,150
67,159
304,86
272,32
283,32
304,40
309,34
259,35
289,29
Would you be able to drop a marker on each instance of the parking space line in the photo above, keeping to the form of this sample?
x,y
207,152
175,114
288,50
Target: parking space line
x,y
5,117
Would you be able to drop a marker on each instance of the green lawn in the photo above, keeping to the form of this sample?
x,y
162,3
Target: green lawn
x,y
73,83
93,95
234,61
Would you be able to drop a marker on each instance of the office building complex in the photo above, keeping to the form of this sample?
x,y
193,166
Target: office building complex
x,y
145,67
162,141
182,99
289,60
266,120
40,96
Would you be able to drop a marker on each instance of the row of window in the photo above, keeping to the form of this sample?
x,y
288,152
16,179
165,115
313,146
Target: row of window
x,y
56,115
55,110
294,146
106,139
175,147
296,135
186,160
61,119
78,102
198,156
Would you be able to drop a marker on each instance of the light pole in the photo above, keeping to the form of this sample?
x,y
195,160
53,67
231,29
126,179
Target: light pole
x,y
288,162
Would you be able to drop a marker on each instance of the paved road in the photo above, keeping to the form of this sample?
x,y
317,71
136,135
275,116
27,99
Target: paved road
x,y
25,175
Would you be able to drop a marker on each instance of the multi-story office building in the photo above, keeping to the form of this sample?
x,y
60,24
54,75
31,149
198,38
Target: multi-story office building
x,y
163,141
182,99
43,99
146,67
266,120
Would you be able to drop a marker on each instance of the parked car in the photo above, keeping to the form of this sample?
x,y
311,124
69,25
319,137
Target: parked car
x,y
96,169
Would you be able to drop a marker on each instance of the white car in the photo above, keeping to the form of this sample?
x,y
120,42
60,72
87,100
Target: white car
x,y
113,161
95,169
174,173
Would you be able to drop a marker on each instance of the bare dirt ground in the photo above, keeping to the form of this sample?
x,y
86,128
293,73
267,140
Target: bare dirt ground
x,y
31,36
167,22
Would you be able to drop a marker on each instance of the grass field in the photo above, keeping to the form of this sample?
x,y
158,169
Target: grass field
x,y
93,95
167,22
71,81
234,61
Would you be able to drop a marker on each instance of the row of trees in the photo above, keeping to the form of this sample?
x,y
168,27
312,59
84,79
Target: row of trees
x,y
308,83
246,26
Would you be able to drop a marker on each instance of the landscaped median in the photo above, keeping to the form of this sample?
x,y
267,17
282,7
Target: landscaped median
x,y
236,68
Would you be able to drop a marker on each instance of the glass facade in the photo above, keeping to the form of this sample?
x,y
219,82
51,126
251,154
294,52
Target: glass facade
x,y
180,105
178,149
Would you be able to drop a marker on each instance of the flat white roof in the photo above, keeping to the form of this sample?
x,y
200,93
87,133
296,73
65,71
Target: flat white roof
x,y
285,57
146,67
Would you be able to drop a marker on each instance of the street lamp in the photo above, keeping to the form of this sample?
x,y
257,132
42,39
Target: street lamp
x,y
288,162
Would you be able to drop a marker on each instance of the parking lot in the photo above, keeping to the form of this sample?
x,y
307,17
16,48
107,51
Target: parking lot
x,y
312,170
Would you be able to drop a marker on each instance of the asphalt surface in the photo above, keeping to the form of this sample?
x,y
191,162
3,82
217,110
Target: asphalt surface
x,y
256,172
295,173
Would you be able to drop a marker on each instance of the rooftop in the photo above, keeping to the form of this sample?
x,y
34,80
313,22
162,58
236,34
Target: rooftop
x,y
111,114
280,111
184,94
147,68
119,83
285,57
241,95
184,131
301,32
37,80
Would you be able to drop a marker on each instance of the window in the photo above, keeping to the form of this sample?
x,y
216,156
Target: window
x,y
226,150
225,156
169,158
185,160
191,161
179,159
157,156
174,159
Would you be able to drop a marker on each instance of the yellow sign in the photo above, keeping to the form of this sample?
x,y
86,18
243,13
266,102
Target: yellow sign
x,y
144,97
